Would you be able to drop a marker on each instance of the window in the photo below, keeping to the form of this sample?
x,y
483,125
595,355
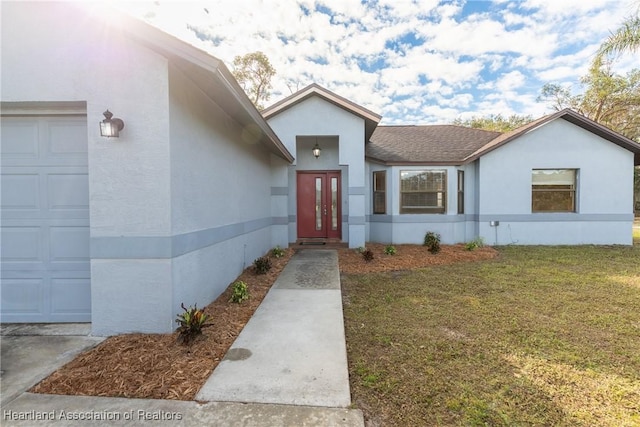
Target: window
x,y
379,192
553,190
423,191
460,192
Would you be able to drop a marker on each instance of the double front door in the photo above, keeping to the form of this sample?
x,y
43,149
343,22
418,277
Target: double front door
x,y
319,205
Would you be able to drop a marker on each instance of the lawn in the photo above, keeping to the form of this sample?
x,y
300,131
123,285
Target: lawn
x,y
537,336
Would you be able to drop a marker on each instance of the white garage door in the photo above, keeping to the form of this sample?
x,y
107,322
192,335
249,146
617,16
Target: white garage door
x,y
45,220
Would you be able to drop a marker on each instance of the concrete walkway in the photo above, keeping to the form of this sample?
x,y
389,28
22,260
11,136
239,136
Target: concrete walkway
x,y
288,367
293,349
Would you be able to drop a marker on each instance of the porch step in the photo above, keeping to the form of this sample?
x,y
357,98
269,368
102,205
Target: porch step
x,y
319,244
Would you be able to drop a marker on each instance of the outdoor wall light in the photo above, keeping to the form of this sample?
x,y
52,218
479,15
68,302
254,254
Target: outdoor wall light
x,y
110,128
316,150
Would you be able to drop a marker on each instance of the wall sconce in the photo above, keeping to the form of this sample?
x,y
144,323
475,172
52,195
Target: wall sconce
x,y
316,150
110,128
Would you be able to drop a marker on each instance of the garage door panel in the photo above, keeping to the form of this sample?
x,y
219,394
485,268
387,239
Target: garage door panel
x,y
67,191
21,244
69,244
66,138
45,220
20,191
20,139
70,296
22,296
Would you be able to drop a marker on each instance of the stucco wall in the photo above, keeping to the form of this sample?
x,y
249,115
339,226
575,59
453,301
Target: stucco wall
x,y
604,189
397,228
180,203
76,58
220,196
343,136
280,196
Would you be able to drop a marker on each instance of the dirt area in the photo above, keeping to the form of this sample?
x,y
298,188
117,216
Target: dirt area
x,y
154,366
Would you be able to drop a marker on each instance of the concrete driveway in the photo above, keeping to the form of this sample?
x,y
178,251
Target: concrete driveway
x,y
31,352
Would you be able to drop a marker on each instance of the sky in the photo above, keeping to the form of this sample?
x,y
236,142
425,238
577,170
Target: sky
x,y
413,62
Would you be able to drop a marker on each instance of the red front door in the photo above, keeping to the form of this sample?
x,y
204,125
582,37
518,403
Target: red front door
x,y
319,205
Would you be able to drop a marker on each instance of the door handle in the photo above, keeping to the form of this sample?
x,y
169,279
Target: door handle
x,y
325,210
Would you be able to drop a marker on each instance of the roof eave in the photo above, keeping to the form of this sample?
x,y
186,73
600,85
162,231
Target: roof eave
x,y
413,163
225,92
572,117
371,119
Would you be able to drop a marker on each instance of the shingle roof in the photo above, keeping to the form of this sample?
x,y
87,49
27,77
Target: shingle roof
x,y
456,145
426,145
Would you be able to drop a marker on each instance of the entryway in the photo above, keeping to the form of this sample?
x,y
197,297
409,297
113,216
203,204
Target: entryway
x,y
318,203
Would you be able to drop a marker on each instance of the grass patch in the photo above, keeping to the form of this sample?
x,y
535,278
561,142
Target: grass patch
x,y
636,236
539,336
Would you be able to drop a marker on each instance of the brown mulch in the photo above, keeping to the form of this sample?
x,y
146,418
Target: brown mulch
x,y
409,257
155,366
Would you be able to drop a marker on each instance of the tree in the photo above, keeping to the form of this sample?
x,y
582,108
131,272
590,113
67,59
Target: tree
x,y
495,123
610,99
624,39
253,72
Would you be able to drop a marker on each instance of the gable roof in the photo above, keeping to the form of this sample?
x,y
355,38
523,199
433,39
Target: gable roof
x,y
371,119
425,145
208,73
570,116
441,145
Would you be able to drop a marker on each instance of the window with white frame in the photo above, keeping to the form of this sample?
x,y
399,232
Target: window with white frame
x,y
553,190
423,191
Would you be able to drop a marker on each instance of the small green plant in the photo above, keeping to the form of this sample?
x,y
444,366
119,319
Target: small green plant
x,y
361,249
191,323
432,242
390,250
367,255
239,292
262,265
474,244
277,252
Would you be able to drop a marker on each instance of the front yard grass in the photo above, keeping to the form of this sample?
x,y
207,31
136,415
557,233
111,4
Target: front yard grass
x,y
538,336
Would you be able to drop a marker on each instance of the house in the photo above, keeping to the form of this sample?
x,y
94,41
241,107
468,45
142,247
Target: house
x,y
121,231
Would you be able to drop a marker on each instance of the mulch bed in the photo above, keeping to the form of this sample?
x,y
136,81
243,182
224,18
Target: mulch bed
x,y
409,257
155,366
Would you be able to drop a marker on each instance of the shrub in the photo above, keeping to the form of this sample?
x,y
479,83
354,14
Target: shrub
x,y
361,249
432,242
277,252
367,255
191,323
239,292
474,244
262,264
390,250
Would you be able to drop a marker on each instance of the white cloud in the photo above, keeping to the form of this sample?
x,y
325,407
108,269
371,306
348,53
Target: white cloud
x,y
509,81
430,53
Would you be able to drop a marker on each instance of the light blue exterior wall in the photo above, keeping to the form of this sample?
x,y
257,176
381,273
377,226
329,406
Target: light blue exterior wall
x,y
397,228
498,188
222,213
340,134
180,203
604,189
